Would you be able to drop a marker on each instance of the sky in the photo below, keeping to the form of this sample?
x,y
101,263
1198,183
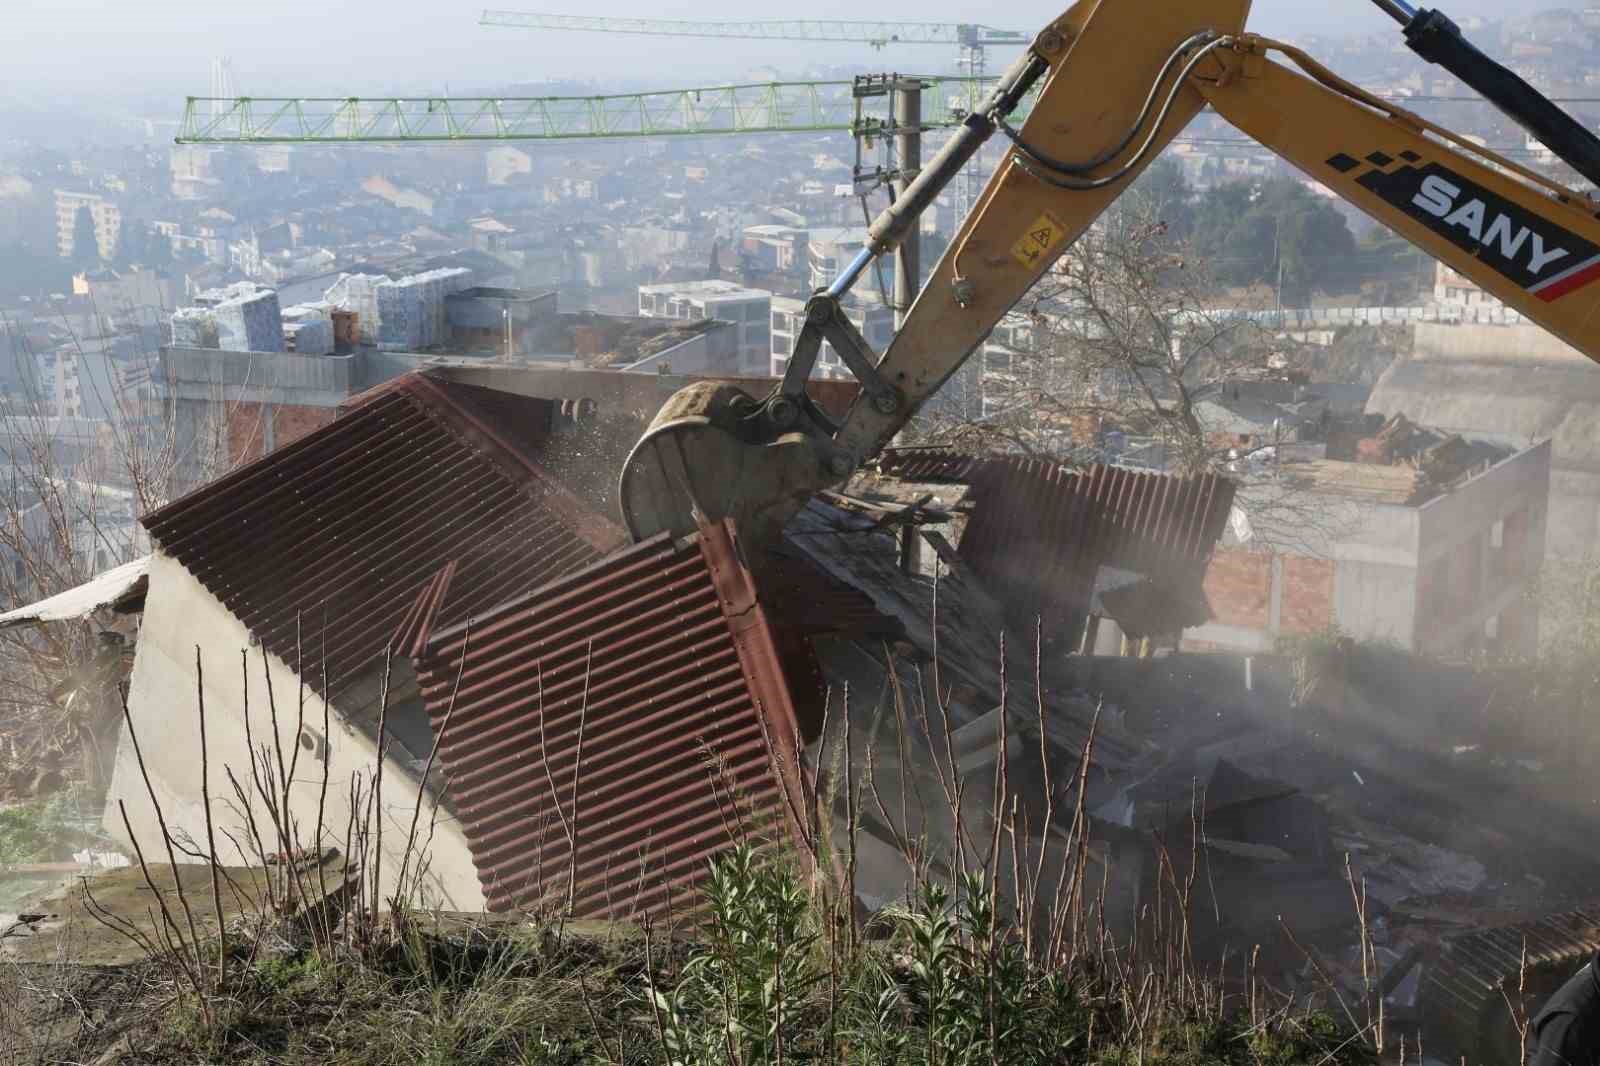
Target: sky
x,y
140,50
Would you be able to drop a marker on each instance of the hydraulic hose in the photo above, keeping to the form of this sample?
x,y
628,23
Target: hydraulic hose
x,y
1061,174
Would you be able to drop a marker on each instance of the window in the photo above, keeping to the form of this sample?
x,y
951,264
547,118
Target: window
x,y
780,345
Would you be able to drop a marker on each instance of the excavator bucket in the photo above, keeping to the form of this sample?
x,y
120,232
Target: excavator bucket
x,y
1117,87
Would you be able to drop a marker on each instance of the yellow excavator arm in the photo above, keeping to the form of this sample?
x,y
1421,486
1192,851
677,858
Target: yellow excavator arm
x,y
1531,242
1120,79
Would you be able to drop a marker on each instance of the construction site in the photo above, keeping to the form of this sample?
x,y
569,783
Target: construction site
x,y
952,574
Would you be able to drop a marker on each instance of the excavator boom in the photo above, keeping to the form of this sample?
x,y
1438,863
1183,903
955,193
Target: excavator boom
x,y
1530,241
1121,78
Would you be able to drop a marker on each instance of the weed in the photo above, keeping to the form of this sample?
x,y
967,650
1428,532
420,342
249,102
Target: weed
x,y
41,831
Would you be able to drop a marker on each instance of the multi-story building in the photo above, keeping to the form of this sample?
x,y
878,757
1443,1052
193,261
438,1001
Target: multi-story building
x,y
830,249
771,247
244,255
1453,288
749,309
875,322
107,218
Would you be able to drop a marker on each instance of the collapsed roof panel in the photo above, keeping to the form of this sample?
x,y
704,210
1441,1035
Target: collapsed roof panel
x,y
115,588
954,620
613,730
1040,532
321,547
1468,987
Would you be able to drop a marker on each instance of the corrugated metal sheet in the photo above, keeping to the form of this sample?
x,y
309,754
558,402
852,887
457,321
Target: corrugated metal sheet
x,y
807,599
620,727
118,585
335,535
1041,531
929,464
411,636
1464,989
956,620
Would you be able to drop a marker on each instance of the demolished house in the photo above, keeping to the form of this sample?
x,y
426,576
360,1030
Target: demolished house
x,y
416,562
310,558
582,724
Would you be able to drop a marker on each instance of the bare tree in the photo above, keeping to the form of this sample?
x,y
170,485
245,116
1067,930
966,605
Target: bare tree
x,y
72,492
1128,331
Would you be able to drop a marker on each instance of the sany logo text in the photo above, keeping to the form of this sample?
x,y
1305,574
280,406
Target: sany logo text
x,y
1438,198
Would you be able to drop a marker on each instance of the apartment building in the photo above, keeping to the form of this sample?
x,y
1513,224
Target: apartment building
x,y
749,309
875,322
107,218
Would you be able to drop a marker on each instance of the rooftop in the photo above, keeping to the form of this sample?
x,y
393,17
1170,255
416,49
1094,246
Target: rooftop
x,y
1370,481
326,542
1401,463
491,292
711,288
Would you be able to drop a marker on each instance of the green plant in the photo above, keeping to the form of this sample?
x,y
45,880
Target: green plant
x,y
738,997
40,832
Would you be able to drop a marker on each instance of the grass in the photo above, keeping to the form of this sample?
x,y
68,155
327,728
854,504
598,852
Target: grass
x,y
768,979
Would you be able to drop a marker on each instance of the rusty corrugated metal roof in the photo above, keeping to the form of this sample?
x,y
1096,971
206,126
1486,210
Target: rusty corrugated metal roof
x,y
411,636
1042,531
1465,988
619,726
331,538
807,599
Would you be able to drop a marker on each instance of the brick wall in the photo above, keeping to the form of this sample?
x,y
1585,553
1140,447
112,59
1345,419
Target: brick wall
x,y
1307,595
1238,586
291,423
249,434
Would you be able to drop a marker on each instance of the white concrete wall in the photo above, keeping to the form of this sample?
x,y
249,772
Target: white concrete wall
x,y
1375,601
1520,483
179,613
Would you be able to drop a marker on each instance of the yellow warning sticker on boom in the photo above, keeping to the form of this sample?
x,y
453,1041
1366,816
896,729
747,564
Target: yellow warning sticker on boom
x,y
1039,242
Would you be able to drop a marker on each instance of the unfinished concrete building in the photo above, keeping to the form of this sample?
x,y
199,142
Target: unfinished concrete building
x,y
1432,551
1518,383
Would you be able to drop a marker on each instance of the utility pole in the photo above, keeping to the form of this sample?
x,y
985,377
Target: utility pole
x,y
907,100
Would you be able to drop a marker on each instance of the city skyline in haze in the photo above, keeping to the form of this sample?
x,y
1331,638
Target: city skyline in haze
x,y
82,48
